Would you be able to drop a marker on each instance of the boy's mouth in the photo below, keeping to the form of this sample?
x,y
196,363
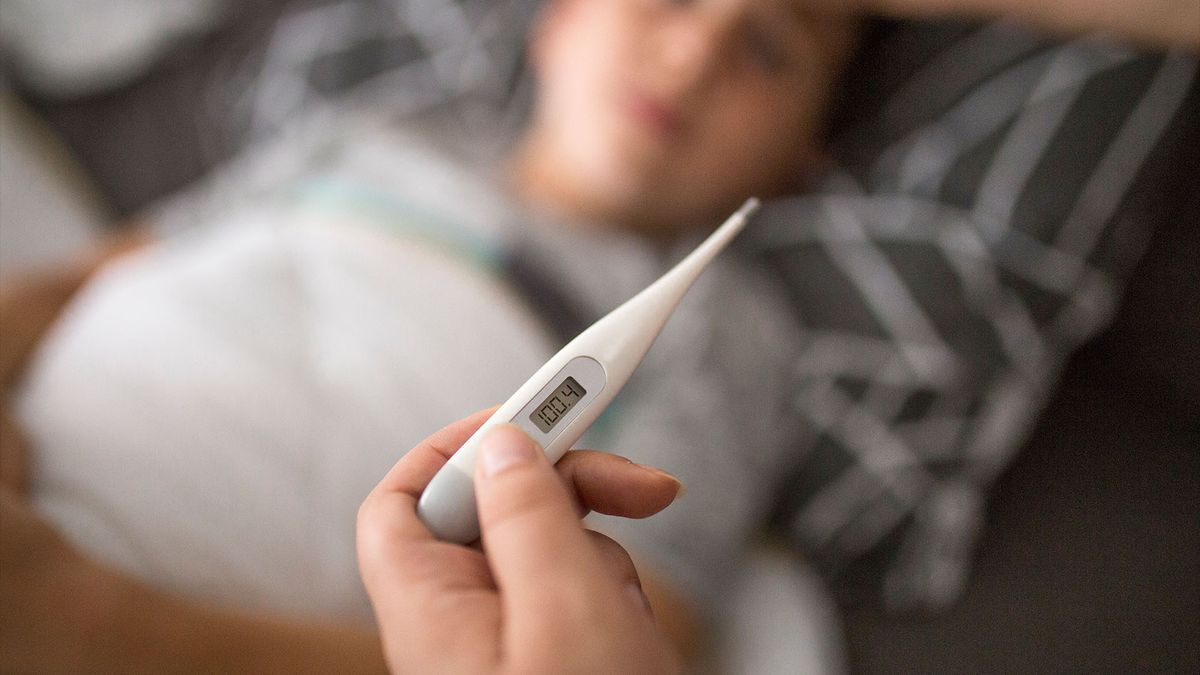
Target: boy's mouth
x,y
664,121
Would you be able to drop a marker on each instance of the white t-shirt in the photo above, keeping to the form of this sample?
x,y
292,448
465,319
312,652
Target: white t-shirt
x,y
209,417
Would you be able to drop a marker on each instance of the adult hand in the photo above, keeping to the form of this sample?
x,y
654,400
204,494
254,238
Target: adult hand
x,y
543,595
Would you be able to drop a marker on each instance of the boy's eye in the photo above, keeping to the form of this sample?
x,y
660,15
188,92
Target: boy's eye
x,y
764,51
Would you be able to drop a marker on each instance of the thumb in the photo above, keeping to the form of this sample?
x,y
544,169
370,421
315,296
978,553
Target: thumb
x,y
534,542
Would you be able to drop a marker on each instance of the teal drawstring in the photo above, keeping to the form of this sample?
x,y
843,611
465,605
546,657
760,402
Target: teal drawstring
x,y
384,211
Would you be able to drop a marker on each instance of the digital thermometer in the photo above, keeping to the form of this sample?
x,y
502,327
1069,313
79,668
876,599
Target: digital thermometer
x,y
566,395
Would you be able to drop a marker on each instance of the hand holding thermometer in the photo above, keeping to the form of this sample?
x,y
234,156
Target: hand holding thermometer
x,y
566,395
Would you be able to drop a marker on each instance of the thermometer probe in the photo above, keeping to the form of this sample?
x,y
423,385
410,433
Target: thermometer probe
x,y
566,395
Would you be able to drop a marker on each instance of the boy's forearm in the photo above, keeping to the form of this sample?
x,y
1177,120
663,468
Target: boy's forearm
x,y
138,629
28,307
31,302
1162,23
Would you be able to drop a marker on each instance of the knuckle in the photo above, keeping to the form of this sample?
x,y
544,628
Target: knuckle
x,y
366,517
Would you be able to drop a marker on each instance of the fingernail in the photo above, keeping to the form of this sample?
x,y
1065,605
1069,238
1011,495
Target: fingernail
x,y
639,597
680,488
504,447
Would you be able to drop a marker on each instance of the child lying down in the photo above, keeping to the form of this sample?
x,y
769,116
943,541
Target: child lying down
x,y
210,411
270,362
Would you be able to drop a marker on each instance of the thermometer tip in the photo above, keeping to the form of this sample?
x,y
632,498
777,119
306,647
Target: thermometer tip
x,y
749,207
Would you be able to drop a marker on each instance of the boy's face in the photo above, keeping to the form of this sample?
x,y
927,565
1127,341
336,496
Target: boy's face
x,y
668,112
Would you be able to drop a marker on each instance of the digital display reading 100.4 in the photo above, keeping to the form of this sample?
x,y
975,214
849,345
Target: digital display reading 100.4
x,y
557,404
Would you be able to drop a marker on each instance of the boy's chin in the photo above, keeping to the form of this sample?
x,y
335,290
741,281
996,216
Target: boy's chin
x,y
655,216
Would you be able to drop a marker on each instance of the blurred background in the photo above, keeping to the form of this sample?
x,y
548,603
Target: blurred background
x,y
139,99
1090,559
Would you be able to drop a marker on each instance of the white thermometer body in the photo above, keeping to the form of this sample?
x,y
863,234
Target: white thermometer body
x,y
566,395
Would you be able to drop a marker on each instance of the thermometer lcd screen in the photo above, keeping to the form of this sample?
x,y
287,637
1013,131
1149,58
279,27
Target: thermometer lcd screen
x,y
546,415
